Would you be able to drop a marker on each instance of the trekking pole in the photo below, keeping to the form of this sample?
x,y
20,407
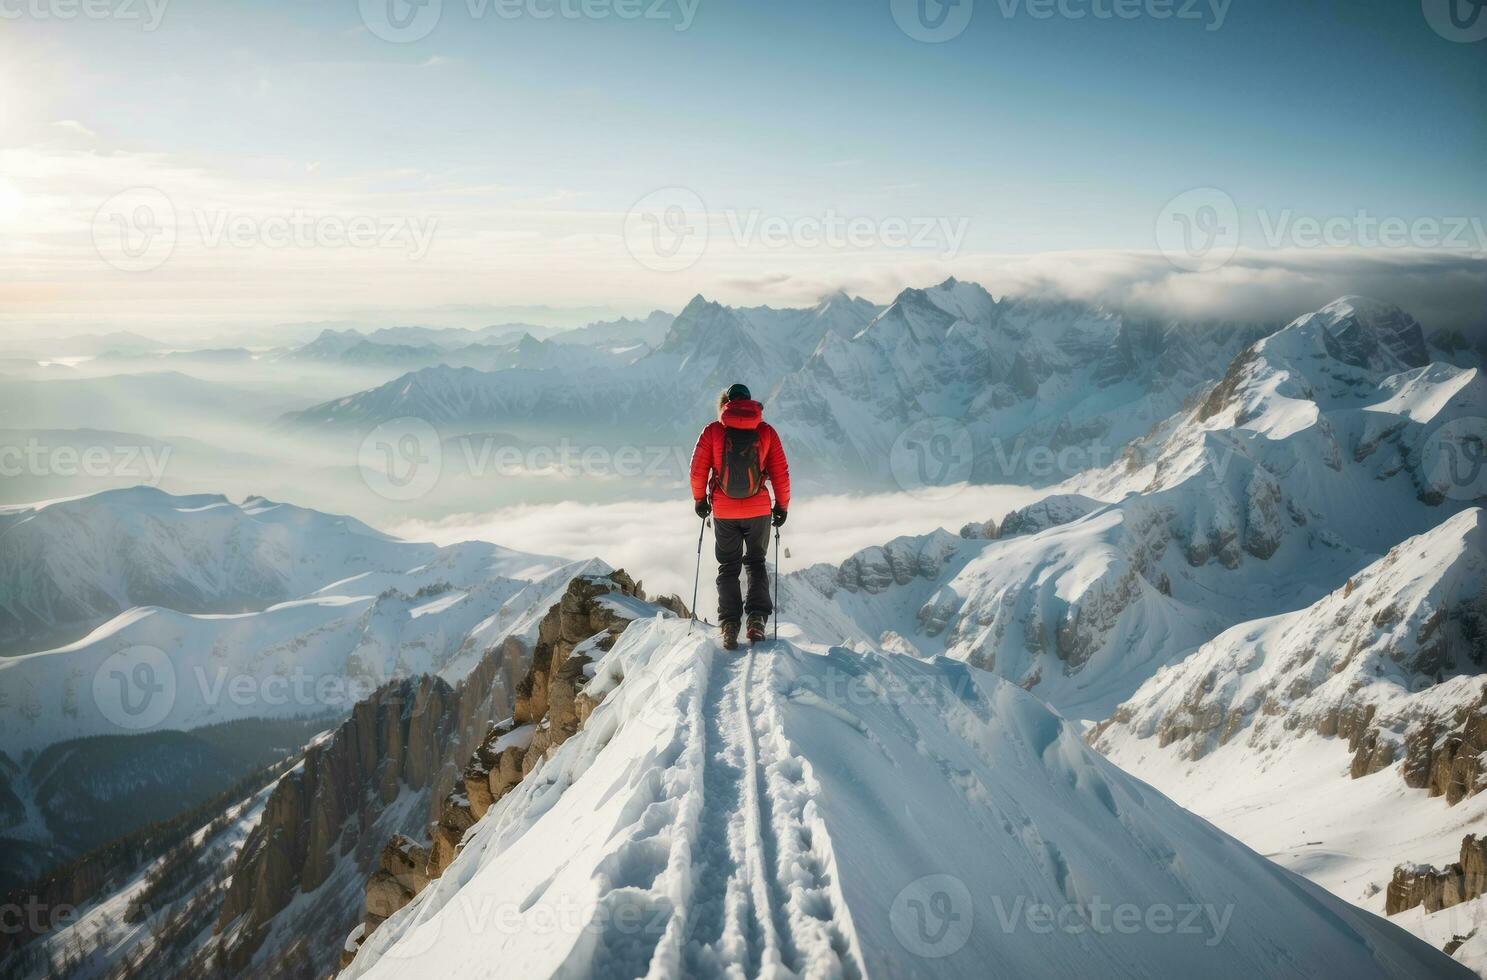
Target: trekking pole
x,y
777,583
697,576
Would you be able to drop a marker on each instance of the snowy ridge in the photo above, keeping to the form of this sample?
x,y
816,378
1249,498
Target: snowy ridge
x,y
1403,642
1080,613
304,658
68,565
321,637
1307,404
748,815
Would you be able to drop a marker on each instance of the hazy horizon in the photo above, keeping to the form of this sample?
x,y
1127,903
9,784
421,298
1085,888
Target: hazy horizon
x,y
209,168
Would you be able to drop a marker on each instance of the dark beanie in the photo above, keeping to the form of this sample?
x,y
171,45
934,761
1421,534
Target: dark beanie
x,y
735,392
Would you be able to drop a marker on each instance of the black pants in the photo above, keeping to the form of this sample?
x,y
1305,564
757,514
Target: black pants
x,y
742,544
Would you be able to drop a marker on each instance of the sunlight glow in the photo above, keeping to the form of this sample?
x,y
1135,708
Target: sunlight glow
x,y
11,201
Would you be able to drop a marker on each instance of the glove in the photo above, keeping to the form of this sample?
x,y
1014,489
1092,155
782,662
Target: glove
x,y
703,508
777,516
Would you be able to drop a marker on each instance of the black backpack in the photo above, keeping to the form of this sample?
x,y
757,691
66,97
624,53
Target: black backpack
x,y
742,477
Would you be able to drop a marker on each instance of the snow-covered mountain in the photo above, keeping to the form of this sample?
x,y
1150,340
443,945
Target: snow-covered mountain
x,y
338,609
329,599
667,390
1014,375
1345,739
313,656
1311,457
289,865
1400,648
67,566
351,349
447,337
626,332
721,813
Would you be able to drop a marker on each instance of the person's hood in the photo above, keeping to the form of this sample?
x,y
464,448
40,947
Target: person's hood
x,y
741,413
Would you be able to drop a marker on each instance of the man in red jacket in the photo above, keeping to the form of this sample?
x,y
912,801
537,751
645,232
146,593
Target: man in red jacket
x,y
734,456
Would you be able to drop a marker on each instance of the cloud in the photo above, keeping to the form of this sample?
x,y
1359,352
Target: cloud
x,y
1442,289
656,542
73,126
767,283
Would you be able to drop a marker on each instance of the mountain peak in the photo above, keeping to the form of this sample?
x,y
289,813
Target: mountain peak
x,y
1367,333
703,320
696,306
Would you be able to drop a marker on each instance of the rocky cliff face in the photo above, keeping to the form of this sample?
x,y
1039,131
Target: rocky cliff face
x,y
550,707
1436,889
383,764
1442,757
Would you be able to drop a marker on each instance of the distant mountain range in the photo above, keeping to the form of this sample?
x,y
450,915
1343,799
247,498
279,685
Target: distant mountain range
x,y
944,385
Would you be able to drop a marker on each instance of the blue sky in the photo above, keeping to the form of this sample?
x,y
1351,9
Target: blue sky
x,y
532,135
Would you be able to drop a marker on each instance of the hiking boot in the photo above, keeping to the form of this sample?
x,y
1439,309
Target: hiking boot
x,y
730,634
756,628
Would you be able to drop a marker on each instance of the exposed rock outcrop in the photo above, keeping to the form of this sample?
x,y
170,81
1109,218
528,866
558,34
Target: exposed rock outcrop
x,y
1059,508
1423,884
398,739
872,570
549,708
1448,761
399,876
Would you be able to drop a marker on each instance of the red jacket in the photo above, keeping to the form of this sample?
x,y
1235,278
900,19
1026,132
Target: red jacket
x,y
707,462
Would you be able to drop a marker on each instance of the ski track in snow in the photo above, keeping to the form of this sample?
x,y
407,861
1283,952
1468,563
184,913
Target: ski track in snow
x,y
716,819
760,905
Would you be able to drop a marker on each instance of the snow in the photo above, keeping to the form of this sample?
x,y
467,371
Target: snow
x,y
874,790
626,606
1298,469
781,812
519,737
424,609
1391,642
